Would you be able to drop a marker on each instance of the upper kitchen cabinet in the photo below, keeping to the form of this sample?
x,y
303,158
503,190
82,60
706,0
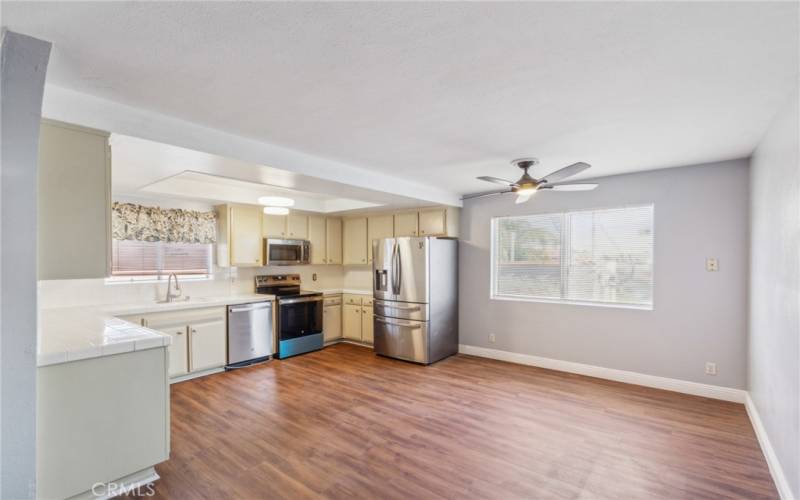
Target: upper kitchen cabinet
x,y
292,227
317,238
74,202
406,224
355,241
440,221
378,226
297,226
239,241
273,226
333,240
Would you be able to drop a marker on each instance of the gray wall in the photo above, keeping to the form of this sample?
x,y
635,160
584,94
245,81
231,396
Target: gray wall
x,y
24,61
774,354
698,316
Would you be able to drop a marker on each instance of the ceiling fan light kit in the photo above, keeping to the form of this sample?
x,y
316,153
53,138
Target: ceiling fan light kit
x,y
526,186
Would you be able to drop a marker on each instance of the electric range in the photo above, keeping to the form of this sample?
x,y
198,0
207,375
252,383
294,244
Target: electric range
x,y
299,314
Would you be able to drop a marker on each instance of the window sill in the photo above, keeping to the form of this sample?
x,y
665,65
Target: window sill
x,y
573,303
148,279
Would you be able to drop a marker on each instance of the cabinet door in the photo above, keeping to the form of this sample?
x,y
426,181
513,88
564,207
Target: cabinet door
x,y
351,322
333,240
405,224
274,226
178,350
74,202
332,322
432,222
355,241
297,226
378,226
245,233
366,324
207,345
316,235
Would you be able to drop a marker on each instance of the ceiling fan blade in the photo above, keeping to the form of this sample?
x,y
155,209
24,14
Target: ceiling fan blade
x,y
570,187
523,198
565,172
481,195
496,180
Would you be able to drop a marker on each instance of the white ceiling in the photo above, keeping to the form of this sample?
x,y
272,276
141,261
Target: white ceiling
x,y
143,169
439,93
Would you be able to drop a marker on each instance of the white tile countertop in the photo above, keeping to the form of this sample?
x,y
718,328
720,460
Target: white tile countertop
x,y
74,333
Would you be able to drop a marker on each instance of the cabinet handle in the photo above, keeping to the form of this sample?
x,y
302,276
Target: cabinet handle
x,y
194,331
179,333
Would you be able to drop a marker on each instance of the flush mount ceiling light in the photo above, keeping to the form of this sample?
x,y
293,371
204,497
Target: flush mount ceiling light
x,y
276,210
276,201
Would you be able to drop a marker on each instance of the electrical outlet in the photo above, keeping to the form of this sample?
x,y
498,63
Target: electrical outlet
x,y
711,368
712,264
314,277
492,338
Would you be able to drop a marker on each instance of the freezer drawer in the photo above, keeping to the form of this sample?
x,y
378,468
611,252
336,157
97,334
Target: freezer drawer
x,y
402,339
250,334
401,310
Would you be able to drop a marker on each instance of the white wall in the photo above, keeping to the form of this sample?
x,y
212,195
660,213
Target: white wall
x,y
70,293
24,63
698,316
774,354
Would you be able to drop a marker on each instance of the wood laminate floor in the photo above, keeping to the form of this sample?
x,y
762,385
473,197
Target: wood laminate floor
x,y
344,423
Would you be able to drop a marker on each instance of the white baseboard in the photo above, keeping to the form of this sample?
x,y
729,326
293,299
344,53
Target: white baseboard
x,y
669,384
769,452
190,376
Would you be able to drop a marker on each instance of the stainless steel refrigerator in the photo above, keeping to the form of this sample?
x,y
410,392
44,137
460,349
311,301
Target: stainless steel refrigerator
x,y
415,287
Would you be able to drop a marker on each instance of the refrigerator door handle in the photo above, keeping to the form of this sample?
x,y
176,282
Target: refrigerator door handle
x,y
399,271
402,308
412,326
394,268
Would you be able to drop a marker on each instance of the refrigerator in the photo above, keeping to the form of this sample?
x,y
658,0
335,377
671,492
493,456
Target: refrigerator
x,y
415,291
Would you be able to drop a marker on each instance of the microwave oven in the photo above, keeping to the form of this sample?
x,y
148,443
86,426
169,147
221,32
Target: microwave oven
x,y
279,252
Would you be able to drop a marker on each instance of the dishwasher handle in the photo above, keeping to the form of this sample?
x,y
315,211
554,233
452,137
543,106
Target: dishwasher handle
x,y
250,307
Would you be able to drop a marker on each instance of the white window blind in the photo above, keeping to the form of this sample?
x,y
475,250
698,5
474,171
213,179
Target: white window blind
x,y
158,259
591,256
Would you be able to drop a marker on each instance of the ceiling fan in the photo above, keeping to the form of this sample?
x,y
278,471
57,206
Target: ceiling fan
x,y
526,186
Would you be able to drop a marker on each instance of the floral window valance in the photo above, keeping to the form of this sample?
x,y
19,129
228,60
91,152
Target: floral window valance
x,y
136,222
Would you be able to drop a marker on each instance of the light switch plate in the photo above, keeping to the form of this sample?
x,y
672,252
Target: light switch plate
x,y
712,264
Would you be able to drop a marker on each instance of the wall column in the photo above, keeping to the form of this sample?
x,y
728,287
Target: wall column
x,y
24,64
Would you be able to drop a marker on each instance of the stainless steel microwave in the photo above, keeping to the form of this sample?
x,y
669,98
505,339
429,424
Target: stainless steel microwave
x,y
286,252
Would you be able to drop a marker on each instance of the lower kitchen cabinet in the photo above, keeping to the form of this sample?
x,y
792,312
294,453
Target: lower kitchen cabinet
x,y
351,322
357,318
332,319
178,348
207,342
366,324
199,338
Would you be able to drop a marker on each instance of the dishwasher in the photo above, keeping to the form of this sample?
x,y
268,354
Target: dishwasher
x,y
250,334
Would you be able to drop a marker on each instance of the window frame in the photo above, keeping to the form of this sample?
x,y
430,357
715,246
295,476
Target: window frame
x,y
565,248
161,276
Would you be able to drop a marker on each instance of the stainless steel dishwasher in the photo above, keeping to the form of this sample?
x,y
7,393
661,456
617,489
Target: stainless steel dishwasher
x,y
250,333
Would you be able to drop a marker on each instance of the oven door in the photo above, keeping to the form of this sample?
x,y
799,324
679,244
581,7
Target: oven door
x,y
300,317
285,252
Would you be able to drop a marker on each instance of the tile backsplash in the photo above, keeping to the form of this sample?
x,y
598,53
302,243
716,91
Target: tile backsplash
x,y
79,292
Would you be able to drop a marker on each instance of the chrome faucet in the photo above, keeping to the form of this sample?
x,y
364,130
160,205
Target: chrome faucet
x,y
171,296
